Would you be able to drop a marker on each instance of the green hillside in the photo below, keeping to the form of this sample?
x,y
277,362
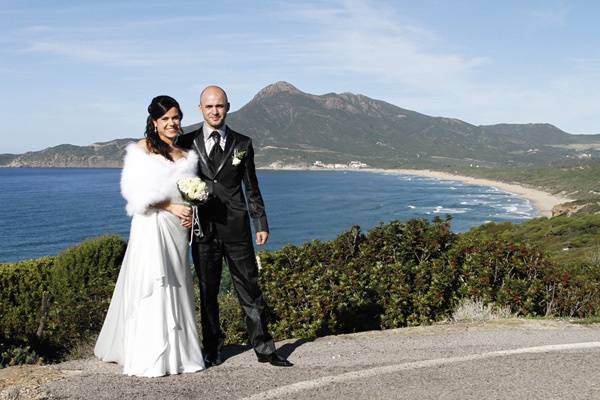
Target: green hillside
x,y
568,240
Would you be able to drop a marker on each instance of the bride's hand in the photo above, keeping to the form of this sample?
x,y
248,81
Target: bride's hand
x,y
183,212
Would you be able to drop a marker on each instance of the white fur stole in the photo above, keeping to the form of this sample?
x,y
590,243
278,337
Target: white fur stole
x,y
147,179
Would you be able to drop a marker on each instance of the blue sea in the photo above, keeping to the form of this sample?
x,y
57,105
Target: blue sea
x,y
45,210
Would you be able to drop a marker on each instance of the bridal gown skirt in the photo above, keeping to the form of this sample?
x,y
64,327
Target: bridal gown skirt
x,y
150,327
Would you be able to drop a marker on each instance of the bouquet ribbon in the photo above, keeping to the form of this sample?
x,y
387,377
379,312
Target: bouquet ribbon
x,y
196,227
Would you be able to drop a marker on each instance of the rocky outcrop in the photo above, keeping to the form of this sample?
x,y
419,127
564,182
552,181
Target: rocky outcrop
x,y
567,209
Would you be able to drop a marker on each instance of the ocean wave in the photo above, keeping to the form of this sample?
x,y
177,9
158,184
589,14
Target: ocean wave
x,y
475,202
445,210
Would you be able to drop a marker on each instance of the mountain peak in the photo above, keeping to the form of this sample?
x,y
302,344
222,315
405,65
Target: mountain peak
x,y
277,87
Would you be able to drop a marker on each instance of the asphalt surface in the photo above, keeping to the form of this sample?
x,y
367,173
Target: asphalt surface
x,y
511,359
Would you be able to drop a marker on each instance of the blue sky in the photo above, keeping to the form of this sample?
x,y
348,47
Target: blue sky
x,y
84,71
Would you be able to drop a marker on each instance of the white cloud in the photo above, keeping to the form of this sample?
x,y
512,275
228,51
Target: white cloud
x,y
372,40
115,53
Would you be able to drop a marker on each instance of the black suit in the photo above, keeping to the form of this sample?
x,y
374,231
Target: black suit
x,y
227,234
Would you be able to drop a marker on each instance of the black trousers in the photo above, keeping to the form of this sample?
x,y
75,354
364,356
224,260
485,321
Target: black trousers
x,y
241,260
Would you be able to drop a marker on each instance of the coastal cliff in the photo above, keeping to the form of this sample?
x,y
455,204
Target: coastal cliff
x,y
98,155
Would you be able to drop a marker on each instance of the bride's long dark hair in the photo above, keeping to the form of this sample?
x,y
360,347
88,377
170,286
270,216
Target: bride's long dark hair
x,y
157,108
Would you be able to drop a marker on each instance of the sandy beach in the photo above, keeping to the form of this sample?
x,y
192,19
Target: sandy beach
x,y
542,201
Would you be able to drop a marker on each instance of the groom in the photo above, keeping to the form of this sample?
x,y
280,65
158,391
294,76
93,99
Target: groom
x,y
226,158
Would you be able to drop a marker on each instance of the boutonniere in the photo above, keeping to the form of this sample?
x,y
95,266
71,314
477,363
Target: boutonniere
x,y
238,155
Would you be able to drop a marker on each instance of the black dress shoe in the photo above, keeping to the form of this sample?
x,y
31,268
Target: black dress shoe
x,y
274,359
212,360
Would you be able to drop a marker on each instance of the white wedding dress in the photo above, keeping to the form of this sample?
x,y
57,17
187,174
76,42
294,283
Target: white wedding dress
x,y
150,327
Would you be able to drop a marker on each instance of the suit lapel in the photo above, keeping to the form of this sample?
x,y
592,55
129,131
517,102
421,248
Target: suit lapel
x,y
201,149
229,146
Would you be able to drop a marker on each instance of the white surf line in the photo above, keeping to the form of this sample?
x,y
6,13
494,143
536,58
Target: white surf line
x,y
367,373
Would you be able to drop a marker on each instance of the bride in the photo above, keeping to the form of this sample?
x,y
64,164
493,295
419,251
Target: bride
x,y
150,327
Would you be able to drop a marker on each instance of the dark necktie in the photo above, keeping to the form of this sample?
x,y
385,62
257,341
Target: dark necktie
x,y
216,152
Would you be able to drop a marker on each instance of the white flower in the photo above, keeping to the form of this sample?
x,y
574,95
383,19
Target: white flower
x,y
237,157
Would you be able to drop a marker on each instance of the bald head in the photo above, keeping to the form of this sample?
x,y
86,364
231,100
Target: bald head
x,y
214,106
212,90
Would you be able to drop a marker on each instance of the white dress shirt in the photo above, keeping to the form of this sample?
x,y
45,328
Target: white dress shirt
x,y
209,142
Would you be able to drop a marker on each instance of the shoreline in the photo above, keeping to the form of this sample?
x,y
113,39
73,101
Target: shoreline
x,y
542,201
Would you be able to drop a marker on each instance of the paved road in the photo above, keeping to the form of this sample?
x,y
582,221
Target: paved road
x,y
512,359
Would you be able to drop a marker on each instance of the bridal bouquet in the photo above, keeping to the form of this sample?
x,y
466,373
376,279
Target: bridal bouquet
x,y
195,192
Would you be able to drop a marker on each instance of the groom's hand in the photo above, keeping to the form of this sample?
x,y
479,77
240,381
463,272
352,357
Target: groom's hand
x,y
261,237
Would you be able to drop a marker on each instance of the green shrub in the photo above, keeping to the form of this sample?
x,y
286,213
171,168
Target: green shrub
x,y
317,289
501,272
418,272
232,319
389,278
22,285
81,285
573,291
406,266
398,274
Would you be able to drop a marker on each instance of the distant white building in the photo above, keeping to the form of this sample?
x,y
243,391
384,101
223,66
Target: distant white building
x,y
351,164
357,164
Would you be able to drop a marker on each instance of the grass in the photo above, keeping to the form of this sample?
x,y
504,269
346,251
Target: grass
x,y
81,350
588,321
471,310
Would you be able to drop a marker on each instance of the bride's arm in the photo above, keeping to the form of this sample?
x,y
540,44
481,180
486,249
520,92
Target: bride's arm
x,y
183,212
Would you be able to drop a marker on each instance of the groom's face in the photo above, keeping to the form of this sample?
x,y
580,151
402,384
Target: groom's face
x,y
214,107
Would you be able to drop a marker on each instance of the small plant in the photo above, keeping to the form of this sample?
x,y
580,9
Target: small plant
x,y
470,310
15,355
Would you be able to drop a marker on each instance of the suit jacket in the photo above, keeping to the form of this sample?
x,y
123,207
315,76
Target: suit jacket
x,y
226,213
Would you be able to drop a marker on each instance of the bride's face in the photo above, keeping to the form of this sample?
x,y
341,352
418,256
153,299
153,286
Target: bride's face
x,y
168,125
